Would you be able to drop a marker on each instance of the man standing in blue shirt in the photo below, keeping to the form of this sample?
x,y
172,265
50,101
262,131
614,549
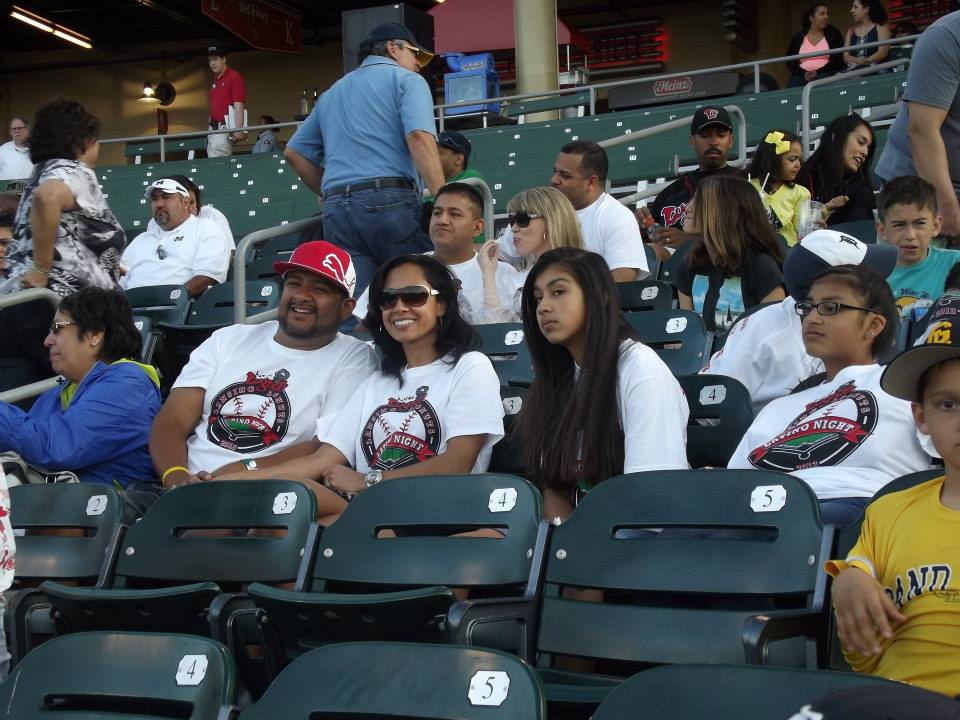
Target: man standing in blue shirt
x,y
369,147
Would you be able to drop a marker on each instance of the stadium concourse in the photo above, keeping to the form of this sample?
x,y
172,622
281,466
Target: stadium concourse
x,y
470,472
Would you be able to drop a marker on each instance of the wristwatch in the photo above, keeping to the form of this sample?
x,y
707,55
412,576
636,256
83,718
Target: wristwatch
x,y
250,464
373,477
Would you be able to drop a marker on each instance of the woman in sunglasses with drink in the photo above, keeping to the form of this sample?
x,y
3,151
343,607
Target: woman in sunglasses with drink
x,y
434,408
845,437
541,219
96,423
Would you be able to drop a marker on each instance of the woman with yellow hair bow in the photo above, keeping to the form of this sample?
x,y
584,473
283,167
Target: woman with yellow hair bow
x,y
773,171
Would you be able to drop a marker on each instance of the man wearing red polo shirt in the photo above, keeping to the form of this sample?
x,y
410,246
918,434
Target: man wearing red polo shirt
x,y
229,90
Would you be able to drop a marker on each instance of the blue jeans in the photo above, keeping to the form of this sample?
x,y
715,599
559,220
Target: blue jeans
x,y
842,511
375,226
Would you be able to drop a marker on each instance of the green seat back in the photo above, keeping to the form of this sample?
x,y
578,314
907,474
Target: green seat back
x,y
425,512
863,230
677,336
215,306
716,563
402,680
645,295
94,508
693,692
506,347
160,303
720,413
87,676
507,456
157,549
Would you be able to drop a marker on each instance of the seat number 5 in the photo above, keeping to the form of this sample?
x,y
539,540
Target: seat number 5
x,y
191,670
489,687
768,498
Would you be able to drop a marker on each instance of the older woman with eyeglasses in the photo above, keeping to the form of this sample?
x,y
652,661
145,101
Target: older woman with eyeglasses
x,y
433,409
541,219
844,436
96,423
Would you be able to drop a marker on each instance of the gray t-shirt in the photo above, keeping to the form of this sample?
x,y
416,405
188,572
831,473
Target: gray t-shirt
x,y
933,79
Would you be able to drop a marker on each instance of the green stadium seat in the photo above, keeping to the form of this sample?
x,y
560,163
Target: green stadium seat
x,y
693,692
365,585
645,295
698,566
89,676
48,519
720,414
403,680
677,336
507,456
160,303
504,344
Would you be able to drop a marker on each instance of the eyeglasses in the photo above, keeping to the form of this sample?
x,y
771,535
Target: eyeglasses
x,y
412,296
56,327
405,46
827,308
521,219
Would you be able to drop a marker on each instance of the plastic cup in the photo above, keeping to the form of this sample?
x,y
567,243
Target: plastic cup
x,y
811,218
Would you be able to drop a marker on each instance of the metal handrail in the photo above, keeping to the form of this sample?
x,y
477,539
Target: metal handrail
x,y
255,239
487,203
18,298
753,64
814,84
192,133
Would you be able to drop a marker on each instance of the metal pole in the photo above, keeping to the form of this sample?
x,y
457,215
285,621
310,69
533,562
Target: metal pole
x,y
487,203
756,78
810,86
163,150
24,296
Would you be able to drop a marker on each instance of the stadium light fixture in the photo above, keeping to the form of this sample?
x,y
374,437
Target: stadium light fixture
x,y
148,95
34,20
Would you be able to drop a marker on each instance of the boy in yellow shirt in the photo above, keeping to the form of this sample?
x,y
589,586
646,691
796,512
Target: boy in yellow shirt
x,y
897,595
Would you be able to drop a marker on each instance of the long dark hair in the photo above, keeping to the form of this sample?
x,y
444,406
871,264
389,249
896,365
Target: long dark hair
x,y
876,294
876,11
824,173
766,162
731,218
809,13
94,309
454,334
571,428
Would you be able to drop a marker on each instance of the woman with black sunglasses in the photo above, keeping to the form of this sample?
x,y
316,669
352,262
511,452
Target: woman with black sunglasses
x,y
845,437
433,409
541,219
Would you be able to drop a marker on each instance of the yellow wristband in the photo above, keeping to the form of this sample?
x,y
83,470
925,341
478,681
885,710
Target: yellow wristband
x,y
169,470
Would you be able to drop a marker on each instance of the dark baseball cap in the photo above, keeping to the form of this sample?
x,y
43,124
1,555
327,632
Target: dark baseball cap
x,y
457,142
939,342
396,31
216,49
707,116
822,249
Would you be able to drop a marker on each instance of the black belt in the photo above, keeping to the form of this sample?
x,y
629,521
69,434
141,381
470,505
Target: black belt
x,y
375,184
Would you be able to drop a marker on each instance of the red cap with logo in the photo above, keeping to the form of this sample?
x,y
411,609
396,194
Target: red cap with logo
x,y
322,258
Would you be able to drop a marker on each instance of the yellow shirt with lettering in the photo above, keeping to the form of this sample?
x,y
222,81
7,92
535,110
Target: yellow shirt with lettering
x,y
910,543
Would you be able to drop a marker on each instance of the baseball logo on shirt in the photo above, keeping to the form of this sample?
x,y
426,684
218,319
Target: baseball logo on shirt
x,y
673,214
402,432
826,433
252,415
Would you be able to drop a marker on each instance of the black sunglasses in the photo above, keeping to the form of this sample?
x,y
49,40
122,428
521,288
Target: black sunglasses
x,y
412,296
522,218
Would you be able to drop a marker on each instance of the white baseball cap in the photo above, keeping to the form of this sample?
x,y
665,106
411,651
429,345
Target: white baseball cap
x,y
166,185
822,249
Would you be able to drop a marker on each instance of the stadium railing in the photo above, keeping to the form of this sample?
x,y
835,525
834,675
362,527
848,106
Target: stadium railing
x,y
25,392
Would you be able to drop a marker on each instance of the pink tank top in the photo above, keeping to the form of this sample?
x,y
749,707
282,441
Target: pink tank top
x,y
814,63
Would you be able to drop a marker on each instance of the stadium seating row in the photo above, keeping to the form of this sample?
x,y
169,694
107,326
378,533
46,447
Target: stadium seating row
x,y
719,567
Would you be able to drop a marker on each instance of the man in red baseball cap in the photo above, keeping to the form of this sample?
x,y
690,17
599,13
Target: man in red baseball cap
x,y
256,395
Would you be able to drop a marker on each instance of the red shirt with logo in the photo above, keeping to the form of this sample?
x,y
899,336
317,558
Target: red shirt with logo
x,y
670,206
227,89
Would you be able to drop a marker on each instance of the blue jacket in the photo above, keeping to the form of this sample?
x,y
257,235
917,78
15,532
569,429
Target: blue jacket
x,y
101,436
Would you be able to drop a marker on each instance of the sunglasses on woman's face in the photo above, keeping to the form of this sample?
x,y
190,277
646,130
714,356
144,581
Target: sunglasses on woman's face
x,y
412,295
521,219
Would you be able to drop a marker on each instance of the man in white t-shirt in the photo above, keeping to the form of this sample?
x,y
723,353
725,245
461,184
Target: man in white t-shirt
x,y
183,249
256,395
764,350
15,163
455,224
204,212
609,228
